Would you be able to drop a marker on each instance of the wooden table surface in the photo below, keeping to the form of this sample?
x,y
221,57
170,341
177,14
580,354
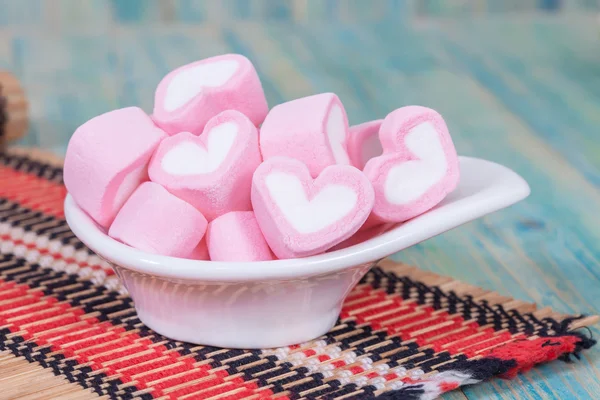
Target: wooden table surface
x,y
522,90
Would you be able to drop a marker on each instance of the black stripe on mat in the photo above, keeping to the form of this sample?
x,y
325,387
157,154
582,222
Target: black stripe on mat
x,y
39,223
40,169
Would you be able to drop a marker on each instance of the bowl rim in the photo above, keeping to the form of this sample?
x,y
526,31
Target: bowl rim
x,y
500,187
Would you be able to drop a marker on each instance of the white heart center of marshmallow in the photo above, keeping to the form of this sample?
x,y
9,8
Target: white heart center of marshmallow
x,y
187,158
330,205
337,135
410,180
188,83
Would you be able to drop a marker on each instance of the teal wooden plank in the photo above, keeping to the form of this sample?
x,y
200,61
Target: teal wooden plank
x,y
130,10
237,45
190,11
549,112
242,9
277,10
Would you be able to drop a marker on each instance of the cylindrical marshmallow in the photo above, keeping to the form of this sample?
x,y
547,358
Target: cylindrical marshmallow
x,y
155,221
363,143
213,171
312,129
107,158
201,251
236,236
191,95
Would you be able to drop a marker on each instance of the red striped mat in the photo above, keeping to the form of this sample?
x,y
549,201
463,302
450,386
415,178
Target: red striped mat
x,y
403,333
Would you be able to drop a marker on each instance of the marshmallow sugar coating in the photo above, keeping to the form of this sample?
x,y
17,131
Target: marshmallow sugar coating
x,y
155,221
188,97
312,129
418,168
213,171
236,236
107,159
300,216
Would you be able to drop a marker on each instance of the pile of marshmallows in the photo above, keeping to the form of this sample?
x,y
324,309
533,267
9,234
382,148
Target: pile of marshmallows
x,y
199,179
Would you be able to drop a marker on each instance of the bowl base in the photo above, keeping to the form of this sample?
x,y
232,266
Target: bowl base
x,y
258,336
249,315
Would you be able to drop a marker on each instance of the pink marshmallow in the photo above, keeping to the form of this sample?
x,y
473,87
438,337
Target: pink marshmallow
x,y
191,95
418,168
363,143
235,236
312,129
362,235
107,159
300,216
213,171
155,221
201,251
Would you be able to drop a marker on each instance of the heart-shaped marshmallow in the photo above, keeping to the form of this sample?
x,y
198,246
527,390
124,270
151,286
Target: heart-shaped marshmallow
x,y
155,221
235,236
107,158
419,165
300,216
312,129
191,95
363,143
213,171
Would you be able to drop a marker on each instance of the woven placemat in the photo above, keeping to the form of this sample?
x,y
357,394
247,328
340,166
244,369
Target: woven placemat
x,y
403,333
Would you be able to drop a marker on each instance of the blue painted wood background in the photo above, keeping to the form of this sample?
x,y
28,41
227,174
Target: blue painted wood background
x,y
518,82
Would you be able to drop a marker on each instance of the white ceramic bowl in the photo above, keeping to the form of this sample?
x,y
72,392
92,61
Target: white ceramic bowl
x,y
281,302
